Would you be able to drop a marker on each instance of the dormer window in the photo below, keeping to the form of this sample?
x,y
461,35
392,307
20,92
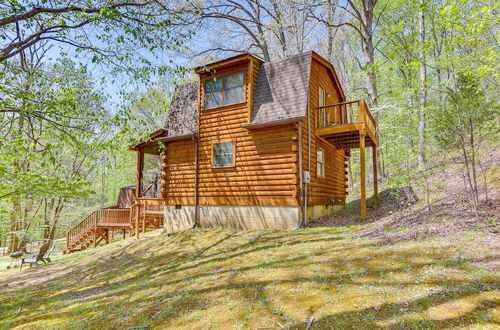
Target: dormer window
x,y
224,90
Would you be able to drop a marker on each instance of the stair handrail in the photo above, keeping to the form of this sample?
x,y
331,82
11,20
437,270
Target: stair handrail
x,y
77,230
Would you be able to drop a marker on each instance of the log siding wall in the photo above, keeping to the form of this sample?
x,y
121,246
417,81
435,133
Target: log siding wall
x,y
266,164
323,191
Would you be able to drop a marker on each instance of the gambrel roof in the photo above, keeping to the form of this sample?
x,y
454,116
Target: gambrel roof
x,y
282,89
281,94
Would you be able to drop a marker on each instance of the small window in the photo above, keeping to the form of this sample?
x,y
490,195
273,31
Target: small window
x,y
320,163
321,103
228,89
223,154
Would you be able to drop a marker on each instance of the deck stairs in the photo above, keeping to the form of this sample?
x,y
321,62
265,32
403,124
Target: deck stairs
x,y
99,226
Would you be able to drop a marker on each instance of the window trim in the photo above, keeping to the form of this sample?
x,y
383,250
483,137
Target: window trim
x,y
233,163
221,76
323,174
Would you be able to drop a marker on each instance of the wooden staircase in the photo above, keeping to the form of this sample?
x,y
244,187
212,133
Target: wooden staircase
x,y
97,226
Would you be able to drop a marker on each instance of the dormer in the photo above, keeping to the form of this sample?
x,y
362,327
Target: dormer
x,y
228,84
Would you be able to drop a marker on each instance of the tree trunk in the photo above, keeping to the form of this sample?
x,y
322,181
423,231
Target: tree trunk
x,y
329,50
423,89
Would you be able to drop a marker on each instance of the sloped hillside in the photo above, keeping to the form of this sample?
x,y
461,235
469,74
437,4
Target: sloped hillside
x,y
314,278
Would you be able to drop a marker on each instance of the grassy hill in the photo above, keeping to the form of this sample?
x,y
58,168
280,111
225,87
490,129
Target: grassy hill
x,y
313,278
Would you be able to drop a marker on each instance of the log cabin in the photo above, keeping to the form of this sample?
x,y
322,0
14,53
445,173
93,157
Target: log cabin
x,y
255,145
249,144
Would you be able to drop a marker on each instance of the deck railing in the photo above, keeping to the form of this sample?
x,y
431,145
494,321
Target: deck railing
x,y
114,216
80,228
351,112
105,216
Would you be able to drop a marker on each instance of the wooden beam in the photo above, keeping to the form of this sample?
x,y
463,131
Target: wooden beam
x,y
137,212
362,161
139,175
375,177
144,221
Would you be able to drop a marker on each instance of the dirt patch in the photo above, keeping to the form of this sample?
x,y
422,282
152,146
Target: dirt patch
x,y
82,294
390,201
399,216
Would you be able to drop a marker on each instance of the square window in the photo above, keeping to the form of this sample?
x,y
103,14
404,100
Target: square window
x,y
223,154
224,90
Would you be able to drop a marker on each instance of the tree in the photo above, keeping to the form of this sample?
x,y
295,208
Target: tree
x,y
423,86
52,136
269,29
463,124
120,32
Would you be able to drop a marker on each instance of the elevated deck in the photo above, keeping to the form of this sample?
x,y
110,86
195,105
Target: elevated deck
x,y
343,124
350,125
100,224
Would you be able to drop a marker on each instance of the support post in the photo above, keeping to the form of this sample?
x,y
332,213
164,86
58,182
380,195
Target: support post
x,y
362,163
375,177
144,220
137,213
95,233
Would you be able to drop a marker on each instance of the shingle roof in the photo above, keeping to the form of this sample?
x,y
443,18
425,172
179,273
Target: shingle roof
x,y
282,89
280,94
182,117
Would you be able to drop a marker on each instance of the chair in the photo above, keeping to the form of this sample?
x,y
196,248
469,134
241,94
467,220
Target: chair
x,y
46,256
32,261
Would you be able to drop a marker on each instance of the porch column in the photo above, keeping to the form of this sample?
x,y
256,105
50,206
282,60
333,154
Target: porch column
x,y
363,173
375,177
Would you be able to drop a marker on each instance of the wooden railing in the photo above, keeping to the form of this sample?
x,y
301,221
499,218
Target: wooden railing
x,y
114,216
344,113
79,229
105,216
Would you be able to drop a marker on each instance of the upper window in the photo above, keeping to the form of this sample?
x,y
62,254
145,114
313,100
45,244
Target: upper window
x,y
223,154
224,90
322,102
320,163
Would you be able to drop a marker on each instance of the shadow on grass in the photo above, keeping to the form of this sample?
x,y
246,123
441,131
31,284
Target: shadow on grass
x,y
390,201
194,272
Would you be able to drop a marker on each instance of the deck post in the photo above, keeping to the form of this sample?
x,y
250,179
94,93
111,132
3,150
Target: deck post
x,y
137,213
375,177
95,232
144,221
362,163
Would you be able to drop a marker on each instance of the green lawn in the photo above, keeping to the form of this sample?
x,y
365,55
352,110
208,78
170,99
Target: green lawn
x,y
324,277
